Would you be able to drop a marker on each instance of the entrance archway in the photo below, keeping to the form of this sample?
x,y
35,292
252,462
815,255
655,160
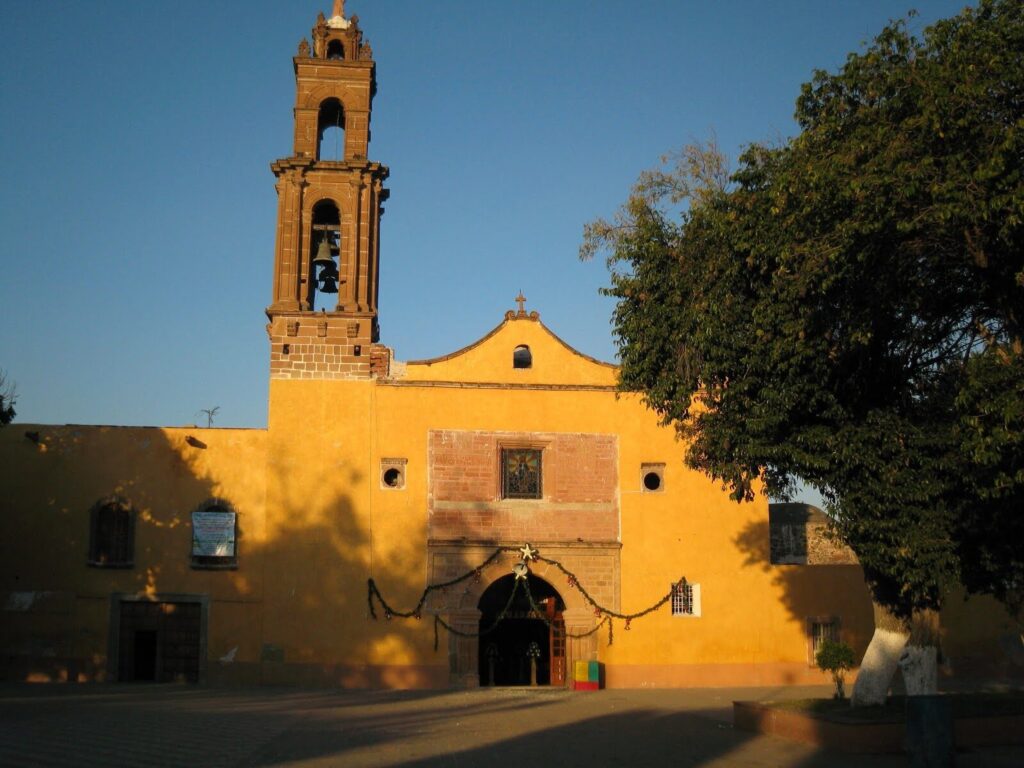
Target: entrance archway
x,y
505,651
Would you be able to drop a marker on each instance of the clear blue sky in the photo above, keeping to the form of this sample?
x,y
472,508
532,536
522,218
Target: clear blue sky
x,y
137,211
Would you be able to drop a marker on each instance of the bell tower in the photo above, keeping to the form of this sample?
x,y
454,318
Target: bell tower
x,y
323,319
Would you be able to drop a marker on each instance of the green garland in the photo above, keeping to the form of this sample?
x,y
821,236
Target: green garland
x,y
416,612
529,553
600,609
504,611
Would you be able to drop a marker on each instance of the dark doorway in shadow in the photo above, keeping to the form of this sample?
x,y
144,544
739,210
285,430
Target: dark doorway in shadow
x,y
522,634
145,654
158,641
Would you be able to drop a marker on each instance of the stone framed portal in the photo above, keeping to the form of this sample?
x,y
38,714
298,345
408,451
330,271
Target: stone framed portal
x,y
519,645
597,564
158,638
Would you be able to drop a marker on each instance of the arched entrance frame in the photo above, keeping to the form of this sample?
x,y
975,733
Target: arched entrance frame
x,y
512,635
458,605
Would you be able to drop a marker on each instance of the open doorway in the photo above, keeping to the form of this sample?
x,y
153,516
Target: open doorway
x,y
522,634
158,641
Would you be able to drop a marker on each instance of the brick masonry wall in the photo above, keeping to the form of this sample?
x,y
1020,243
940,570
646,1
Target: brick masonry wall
x,y
823,550
320,346
799,535
579,485
597,568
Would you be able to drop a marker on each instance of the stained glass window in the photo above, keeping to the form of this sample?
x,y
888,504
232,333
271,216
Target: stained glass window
x,y
521,473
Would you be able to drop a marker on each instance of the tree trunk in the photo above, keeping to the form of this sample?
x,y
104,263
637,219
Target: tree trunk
x,y
880,659
929,734
919,660
920,668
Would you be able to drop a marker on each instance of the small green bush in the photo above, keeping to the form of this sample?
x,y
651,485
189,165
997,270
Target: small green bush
x,y
837,659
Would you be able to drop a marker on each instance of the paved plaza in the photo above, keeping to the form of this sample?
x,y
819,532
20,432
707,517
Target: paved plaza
x,y
152,725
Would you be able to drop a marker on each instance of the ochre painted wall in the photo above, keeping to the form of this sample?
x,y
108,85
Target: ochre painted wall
x,y
316,521
327,440
489,360
58,607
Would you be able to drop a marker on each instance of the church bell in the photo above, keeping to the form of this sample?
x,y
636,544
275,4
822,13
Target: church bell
x,y
323,254
328,277
328,283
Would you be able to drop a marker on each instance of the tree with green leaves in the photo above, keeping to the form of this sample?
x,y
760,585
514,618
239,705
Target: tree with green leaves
x,y
845,308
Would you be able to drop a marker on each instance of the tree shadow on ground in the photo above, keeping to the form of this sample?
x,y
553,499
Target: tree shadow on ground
x,y
640,738
493,728
175,725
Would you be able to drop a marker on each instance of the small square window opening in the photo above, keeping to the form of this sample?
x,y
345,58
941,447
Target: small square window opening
x,y
685,599
392,474
652,478
521,475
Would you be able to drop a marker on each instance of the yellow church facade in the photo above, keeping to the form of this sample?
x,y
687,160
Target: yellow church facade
x,y
490,517
399,479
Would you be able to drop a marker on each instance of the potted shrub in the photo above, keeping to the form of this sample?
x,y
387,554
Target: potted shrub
x,y
837,659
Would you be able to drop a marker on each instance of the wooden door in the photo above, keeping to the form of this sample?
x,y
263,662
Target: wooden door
x,y
179,641
556,643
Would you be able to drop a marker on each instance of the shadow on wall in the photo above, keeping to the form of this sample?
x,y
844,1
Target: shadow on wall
x,y
814,594
980,639
318,556
294,605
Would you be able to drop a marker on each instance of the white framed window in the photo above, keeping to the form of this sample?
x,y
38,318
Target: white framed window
x,y
820,629
685,599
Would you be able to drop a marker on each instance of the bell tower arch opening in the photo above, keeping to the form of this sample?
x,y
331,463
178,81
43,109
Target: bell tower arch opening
x,y
325,247
335,50
518,644
330,144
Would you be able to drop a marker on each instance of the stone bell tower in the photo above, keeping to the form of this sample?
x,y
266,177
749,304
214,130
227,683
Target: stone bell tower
x,y
323,319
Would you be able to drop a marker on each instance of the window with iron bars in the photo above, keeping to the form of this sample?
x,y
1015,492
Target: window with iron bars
x,y
112,534
685,598
820,629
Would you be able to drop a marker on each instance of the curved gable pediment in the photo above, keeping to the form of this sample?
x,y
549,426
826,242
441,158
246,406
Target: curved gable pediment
x,y
521,350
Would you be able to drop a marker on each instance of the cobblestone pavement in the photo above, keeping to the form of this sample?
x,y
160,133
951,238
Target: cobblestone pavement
x,y
149,725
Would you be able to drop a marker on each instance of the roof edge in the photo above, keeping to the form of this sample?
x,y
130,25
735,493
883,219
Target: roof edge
x,y
494,331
